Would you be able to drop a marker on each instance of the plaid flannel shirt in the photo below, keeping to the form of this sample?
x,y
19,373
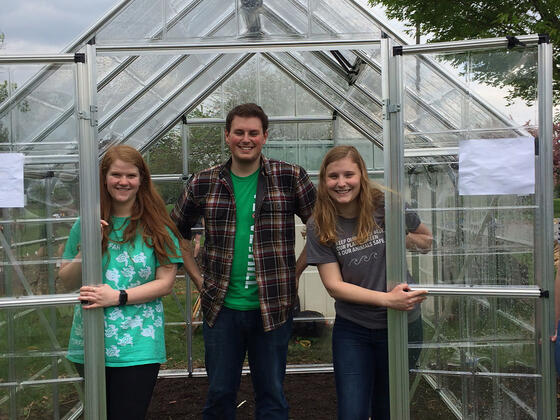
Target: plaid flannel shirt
x,y
283,190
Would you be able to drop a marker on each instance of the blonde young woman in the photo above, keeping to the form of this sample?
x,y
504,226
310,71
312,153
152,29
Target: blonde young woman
x,y
346,241
140,256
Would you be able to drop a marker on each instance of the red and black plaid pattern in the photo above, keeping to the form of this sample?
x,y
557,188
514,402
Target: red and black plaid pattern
x,y
283,190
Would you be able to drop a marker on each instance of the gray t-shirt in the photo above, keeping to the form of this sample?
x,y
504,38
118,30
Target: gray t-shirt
x,y
363,265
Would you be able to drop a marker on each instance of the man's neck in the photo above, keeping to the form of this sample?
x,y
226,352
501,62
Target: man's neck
x,y
243,169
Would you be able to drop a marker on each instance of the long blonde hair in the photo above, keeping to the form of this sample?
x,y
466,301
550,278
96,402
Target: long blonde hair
x,y
148,212
369,199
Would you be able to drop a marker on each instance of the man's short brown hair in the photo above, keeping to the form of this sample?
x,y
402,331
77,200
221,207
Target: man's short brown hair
x,y
247,111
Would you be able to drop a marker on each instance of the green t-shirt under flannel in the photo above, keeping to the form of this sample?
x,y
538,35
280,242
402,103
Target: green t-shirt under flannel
x,y
134,334
243,292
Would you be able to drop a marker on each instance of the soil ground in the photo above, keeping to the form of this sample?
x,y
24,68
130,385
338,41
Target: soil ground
x,y
310,396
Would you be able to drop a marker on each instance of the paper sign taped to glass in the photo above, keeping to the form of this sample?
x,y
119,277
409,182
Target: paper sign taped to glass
x,y
497,166
11,174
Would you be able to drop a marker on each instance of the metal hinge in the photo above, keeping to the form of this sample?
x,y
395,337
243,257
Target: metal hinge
x,y
91,116
389,108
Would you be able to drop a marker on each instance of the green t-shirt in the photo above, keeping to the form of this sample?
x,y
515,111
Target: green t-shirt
x,y
134,334
243,293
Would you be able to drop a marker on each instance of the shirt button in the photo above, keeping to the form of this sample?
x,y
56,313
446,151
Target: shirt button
x,y
228,256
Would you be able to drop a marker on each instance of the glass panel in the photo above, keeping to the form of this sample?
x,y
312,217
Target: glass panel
x,y
478,358
331,16
36,378
479,355
49,98
272,81
34,349
180,20
474,90
478,240
207,147
175,326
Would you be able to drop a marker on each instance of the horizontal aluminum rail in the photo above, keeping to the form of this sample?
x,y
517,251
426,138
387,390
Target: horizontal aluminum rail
x,y
35,301
471,44
37,59
495,291
235,47
290,369
431,151
50,159
271,120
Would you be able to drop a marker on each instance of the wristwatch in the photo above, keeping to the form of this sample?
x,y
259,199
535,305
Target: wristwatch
x,y
123,297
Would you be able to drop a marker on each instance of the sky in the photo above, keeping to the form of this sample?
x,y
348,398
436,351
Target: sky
x,y
47,26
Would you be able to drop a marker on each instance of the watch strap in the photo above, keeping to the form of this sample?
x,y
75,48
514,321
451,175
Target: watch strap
x,y
123,297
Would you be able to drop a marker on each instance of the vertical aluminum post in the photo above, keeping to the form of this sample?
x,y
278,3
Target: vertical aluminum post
x,y
392,93
544,269
186,148
90,214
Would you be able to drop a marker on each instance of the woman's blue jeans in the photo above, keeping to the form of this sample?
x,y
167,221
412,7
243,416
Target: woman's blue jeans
x,y
361,368
234,334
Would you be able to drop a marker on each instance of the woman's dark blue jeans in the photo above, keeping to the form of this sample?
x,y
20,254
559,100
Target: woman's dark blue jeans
x,y
235,334
361,368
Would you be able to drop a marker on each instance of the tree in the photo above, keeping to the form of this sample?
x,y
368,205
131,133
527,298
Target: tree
x,y
451,20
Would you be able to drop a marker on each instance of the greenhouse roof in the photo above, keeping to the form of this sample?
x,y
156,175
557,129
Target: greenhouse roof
x,y
141,96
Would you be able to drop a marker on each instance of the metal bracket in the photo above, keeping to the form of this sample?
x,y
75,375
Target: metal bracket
x,y
93,112
389,108
91,116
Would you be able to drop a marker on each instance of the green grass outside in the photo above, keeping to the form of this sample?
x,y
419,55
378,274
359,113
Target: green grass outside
x,y
557,207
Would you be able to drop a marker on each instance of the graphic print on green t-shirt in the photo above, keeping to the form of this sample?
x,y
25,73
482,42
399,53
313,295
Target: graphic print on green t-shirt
x,y
134,334
243,293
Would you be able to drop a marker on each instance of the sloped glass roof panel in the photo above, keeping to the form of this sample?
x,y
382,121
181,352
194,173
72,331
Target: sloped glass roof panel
x,y
241,87
201,19
210,107
140,21
294,15
321,89
312,60
170,85
106,64
277,90
183,99
132,114
46,101
307,104
115,92
342,18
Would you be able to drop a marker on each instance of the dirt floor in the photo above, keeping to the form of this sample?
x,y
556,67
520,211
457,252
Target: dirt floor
x,y
310,396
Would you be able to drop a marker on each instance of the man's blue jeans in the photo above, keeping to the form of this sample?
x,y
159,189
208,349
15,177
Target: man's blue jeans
x,y
234,334
361,369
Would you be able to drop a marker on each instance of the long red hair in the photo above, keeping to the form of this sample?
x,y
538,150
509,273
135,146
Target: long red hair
x,y
369,198
149,216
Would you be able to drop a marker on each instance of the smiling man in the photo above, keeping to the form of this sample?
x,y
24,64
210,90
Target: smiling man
x,y
248,283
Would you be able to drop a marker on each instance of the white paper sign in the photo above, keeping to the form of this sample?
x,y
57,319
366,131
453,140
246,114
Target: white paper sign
x,y
11,180
497,166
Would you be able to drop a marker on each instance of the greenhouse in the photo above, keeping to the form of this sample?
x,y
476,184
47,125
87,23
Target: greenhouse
x,y
162,75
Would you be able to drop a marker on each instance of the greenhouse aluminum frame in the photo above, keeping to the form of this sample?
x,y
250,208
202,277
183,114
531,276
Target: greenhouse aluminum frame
x,y
392,136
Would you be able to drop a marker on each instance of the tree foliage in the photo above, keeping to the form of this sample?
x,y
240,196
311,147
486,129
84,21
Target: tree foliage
x,y
451,20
